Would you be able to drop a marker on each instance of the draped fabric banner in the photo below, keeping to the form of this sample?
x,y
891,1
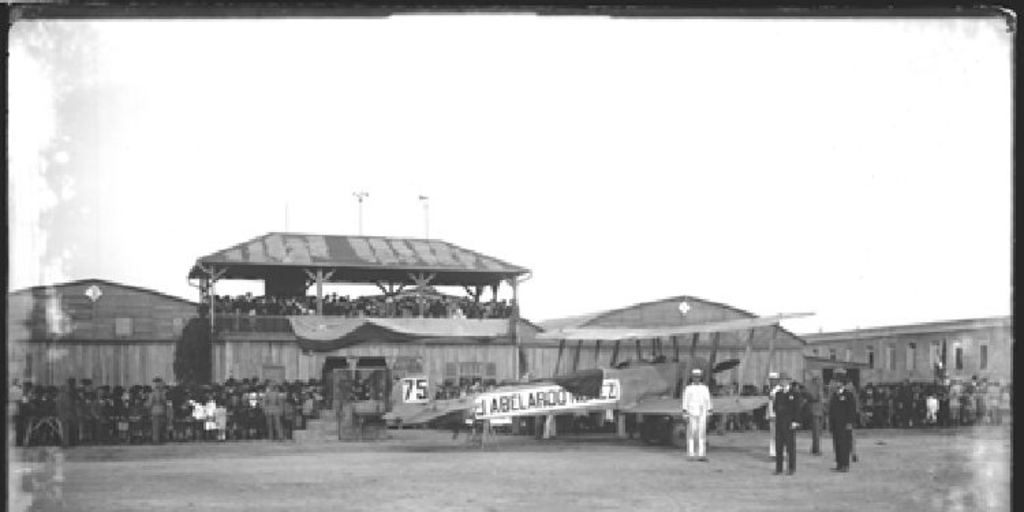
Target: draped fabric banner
x,y
331,333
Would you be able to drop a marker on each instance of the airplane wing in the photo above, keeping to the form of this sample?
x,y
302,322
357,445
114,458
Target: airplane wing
x,y
415,414
719,404
588,382
618,333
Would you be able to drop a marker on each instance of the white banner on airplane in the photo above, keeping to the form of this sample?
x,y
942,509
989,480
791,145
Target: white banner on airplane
x,y
541,400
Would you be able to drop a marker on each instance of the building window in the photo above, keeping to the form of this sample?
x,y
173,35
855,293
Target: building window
x,y
464,375
122,327
815,351
958,354
471,373
890,357
832,354
871,357
911,363
848,354
451,374
983,362
935,356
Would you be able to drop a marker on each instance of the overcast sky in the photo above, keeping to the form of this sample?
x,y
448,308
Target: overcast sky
x,y
858,169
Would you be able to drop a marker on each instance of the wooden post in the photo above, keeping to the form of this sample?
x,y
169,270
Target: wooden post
x,y
771,349
558,362
693,346
214,275
675,347
746,359
714,355
320,292
514,318
597,354
576,359
639,356
620,425
615,353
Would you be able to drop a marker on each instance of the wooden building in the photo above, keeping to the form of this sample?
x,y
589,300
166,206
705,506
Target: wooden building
x,y
109,332
980,347
760,350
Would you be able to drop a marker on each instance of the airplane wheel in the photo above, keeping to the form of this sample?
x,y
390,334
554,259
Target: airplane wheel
x,y
678,437
663,430
646,432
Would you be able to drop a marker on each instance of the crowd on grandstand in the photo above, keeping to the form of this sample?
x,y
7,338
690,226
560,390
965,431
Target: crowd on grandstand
x,y
373,306
82,414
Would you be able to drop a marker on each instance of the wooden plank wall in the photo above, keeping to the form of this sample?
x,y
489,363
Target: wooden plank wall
x,y
245,359
112,363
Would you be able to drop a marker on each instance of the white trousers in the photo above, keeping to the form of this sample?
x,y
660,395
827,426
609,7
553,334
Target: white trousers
x,y
696,434
771,437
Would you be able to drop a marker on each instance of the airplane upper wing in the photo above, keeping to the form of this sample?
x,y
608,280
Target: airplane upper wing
x,y
618,333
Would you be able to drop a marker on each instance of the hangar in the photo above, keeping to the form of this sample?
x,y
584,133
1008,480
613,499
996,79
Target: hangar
x,y
112,333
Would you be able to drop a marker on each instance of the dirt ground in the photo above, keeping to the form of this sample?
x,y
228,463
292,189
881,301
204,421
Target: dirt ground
x,y
904,471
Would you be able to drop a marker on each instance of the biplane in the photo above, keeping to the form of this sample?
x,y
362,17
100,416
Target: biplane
x,y
649,390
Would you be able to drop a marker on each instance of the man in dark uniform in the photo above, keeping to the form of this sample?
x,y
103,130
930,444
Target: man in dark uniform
x,y
842,416
788,403
814,395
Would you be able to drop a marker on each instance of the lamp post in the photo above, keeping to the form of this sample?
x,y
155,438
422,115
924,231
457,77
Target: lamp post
x,y
360,196
426,214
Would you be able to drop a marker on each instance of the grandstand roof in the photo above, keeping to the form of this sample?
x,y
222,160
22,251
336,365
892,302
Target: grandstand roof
x,y
357,259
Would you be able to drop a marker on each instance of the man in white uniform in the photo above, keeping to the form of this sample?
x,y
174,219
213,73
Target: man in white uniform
x,y
696,408
773,387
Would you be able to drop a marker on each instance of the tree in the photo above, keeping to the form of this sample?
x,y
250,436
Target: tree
x,y
193,356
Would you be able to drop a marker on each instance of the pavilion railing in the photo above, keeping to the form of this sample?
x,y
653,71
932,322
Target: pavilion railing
x,y
246,323
237,322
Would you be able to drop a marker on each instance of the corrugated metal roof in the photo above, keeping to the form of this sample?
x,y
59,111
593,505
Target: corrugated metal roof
x,y
366,258
569,322
553,326
104,282
908,329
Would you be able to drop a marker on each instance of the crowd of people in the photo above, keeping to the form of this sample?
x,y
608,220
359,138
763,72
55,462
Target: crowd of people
x,y
81,413
84,413
372,306
902,405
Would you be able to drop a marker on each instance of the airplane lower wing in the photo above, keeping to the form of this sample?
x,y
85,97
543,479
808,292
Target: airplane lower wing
x,y
415,414
719,405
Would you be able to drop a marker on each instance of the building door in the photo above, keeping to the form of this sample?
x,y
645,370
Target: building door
x,y
326,375
853,374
